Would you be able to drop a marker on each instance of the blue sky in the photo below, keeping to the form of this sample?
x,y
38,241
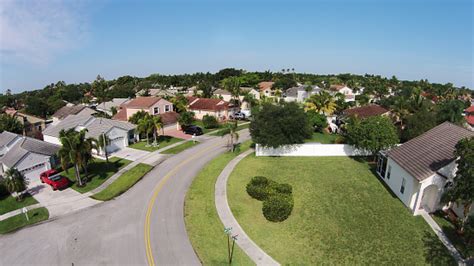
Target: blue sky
x,y
46,41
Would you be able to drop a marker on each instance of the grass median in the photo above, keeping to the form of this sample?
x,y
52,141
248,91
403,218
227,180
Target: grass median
x,y
124,182
18,221
180,147
163,141
204,227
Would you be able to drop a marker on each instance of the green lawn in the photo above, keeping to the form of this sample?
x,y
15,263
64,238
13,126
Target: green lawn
x,y
18,221
342,215
9,203
98,172
222,132
163,141
124,182
205,230
180,147
450,230
323,138
201,125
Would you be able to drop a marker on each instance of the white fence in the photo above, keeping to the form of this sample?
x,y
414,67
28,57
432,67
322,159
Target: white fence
x,y
310,149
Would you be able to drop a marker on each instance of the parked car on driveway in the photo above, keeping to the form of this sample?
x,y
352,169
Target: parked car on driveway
x,y
238,116
193,130
54,179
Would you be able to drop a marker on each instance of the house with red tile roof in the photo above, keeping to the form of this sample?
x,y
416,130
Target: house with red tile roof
x,y
469,117
348,93
218,108
366,111
266,88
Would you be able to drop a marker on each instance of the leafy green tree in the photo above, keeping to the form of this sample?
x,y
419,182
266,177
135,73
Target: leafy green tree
x,y
206,88
75,150
372,134
15,182
11,124
186,118
136,117
276,125
232,85
418,123
36,106
461,190
317,121
210,121
451,110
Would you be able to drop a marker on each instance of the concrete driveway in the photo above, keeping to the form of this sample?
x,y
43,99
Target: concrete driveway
x,y
129,154
59,202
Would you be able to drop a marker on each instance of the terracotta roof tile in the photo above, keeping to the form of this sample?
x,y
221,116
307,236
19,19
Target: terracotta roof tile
x,y
208,104
143,102
265,85
169,118
121,115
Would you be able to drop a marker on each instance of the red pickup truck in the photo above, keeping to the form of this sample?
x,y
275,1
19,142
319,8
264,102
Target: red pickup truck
x,y
54,179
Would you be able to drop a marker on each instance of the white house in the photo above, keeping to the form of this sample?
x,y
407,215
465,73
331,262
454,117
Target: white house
x,y
30,156
417,171
299,94
119,133
227,96
348,93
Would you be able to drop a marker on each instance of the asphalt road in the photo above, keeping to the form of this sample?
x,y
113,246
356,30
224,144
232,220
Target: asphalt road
x,y
143,226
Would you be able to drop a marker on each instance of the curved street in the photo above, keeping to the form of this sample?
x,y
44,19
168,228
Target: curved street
x,y
143,226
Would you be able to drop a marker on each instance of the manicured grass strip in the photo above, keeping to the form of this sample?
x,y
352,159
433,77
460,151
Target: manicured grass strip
x,y
163,141
180,147
222,132
19,221
98,172
9,203
124,182
323,138
204,227
342,215
450,231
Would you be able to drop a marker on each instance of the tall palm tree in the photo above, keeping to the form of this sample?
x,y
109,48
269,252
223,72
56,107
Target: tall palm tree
x,y
102,142
231,130
75,149
157,126
15,182
323,102
145,126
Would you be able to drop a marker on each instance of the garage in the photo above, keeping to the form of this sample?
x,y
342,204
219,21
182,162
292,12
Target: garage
x,y
32,174
116,144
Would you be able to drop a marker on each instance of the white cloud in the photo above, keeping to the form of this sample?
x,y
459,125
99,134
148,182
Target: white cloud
x,y
36,31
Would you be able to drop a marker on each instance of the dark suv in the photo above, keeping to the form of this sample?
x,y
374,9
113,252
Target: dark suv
x,y
193,130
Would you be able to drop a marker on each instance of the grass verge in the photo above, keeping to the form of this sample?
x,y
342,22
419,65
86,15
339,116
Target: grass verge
x,y
98,172
9,203
323,138
342,215
204,227
18,221
222,132
124,182
180,147
163,142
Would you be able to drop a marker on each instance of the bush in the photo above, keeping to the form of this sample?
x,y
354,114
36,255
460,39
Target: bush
x,y
277,208
284,189
3,189
209,121
257,188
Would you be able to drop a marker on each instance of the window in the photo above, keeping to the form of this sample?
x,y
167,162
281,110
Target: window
x,y
156,110
167,108
388,171
381,165
402,189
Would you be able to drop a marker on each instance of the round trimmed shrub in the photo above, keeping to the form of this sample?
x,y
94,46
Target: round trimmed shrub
x,y
277,208
257,188
209,121
284,189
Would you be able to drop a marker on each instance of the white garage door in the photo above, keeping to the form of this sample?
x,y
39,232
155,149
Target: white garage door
x,y
32,174
116,144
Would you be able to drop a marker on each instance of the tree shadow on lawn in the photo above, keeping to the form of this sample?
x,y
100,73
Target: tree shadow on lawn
x,y
101,169
435,252
164,138
372,167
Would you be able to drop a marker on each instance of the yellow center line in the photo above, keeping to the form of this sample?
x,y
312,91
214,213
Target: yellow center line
x,y
151,203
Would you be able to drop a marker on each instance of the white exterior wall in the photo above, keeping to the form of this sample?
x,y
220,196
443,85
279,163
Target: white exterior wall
x,y
412,185
199,114
310,149
32,159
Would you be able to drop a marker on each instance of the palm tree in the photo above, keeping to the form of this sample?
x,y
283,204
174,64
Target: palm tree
x,y
399,110
102,142
76,149
231,130
157,125
232,85
145,126
323,102
15,182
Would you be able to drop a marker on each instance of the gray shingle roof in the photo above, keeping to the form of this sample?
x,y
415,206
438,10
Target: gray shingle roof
x,y
6,137
24,146
293,91
424,155
95,126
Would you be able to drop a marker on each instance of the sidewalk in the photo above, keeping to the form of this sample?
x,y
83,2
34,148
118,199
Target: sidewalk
x,y
227,218
444,239
61,205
